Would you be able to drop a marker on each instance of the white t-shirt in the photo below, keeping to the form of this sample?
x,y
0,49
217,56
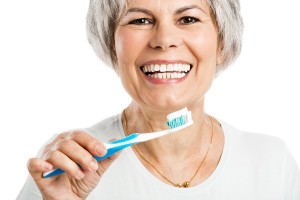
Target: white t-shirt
x,y
252,167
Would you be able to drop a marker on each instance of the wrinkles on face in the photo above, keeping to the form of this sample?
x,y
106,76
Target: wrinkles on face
x,y
165,33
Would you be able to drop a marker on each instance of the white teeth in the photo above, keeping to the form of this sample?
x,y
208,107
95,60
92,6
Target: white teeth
x,y
176,67
167,75
166,71
170,67
166,68
163,68
151,68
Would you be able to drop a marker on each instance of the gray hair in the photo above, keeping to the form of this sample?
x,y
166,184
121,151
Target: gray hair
x,y
103,15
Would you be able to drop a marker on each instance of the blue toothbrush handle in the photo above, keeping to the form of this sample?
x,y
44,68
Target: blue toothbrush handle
x,y
120,144
110,151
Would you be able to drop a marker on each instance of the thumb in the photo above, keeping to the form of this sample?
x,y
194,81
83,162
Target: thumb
x,y
105,164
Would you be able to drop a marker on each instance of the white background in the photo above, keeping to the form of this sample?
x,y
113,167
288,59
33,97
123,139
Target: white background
x,y
51,80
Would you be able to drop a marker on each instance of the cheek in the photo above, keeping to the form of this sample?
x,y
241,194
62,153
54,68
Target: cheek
x,y
122,42
128,45
127,50
203,45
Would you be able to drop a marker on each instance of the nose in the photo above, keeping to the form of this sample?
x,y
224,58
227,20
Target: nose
x,y
165,37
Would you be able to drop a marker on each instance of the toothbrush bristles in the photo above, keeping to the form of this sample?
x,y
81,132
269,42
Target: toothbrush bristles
x,y
178,118
178,121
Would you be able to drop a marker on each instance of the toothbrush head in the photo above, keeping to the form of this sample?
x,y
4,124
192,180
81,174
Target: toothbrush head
x,y
179,118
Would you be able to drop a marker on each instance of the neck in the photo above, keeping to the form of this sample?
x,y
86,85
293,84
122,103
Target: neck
x,y
174,146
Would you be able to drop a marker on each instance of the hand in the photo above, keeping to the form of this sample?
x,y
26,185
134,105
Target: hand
x,y
65,152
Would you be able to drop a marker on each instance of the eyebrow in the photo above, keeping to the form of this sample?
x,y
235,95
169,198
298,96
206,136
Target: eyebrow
x,y
185,8
177,12
136,9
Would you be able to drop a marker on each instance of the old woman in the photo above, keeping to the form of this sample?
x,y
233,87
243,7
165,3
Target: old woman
x,y
167,54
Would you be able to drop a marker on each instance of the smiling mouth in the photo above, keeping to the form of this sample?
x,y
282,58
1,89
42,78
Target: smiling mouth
x,y
166,71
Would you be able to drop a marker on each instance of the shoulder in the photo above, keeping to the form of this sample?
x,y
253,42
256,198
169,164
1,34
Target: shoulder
x,y
263,157
106,129
250,139
254,147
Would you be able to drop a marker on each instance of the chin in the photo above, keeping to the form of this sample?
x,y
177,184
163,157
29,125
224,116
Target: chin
x,y
167,105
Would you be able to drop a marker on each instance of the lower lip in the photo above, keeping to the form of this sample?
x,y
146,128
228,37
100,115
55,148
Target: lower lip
x,y
165,80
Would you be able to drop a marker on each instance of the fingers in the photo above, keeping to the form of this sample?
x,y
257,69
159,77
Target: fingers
x,y
62,161
104,164
73,152
67,153
37,167
91,144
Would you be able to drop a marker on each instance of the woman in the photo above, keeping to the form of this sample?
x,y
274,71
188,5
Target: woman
x,y
167,54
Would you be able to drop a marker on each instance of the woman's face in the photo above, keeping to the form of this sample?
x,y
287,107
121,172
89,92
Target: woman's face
x,y
167,52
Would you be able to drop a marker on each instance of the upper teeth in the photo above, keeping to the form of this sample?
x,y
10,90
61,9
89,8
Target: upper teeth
x,y
166,68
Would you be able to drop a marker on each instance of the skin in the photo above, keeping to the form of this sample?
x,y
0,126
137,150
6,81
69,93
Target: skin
x,y
64,152
167,38
164,34
158,32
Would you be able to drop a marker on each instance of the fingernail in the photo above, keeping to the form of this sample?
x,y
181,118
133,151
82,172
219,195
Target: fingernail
x,y
80,174
47,166
100,149
93,166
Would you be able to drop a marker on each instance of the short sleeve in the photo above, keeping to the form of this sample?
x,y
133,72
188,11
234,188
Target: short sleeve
x,y
291,177
29,191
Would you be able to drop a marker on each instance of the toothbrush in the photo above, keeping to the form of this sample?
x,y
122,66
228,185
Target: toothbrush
x,y
176,121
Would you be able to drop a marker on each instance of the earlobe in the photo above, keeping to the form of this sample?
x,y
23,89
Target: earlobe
x,y
116,69
220,55
220,58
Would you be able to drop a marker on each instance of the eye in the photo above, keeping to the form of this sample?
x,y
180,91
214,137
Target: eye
x,y
141,21
188,20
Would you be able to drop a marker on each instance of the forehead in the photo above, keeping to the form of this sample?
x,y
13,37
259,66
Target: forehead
x,y
165,5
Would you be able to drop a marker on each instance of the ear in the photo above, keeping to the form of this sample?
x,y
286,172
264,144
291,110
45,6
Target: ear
x,y
220,59
114,63
116,69
220,54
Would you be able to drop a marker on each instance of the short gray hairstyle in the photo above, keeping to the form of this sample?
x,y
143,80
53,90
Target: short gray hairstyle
x,y
103,16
